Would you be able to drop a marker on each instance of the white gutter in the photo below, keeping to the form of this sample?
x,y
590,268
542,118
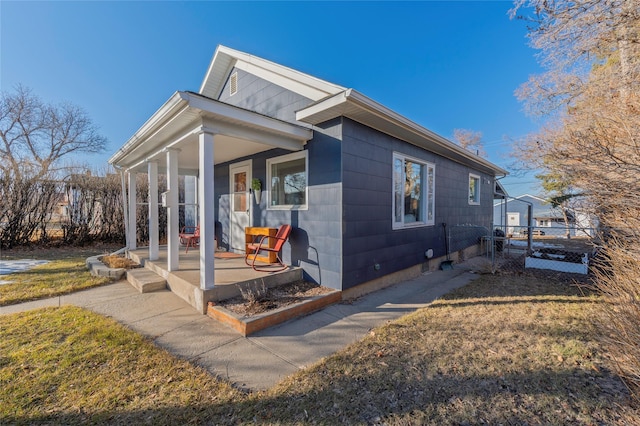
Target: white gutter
x,y
391,115
181,102
156,119
344,102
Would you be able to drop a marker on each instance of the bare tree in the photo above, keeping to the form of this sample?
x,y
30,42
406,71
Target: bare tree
x,y
572,37
470,140
35,138
591,141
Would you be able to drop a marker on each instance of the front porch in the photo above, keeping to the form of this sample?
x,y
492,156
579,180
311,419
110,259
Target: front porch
x,y
192,135
231,275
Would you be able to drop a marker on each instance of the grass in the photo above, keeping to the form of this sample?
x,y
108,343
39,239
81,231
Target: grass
x,y
502,350
509,350
65,273
68,365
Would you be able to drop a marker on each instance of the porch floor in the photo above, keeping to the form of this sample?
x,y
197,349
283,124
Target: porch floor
x,y
231,273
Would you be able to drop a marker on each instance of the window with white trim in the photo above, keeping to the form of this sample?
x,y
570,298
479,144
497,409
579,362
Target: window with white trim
x,y
413,192
474,189
287,178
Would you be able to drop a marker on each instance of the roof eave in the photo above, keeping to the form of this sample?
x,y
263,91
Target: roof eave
x,y
225,58
187,112
174,104
342,104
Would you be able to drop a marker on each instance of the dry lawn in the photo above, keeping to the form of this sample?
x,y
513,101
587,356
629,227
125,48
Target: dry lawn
x,y
70,366
65,273
502,350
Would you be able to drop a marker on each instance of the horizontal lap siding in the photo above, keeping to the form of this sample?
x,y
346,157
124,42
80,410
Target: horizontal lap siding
x,y
369,239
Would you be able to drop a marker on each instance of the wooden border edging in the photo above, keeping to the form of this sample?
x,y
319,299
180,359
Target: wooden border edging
x,y
249,325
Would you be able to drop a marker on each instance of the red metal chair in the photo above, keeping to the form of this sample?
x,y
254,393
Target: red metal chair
x,y
190,239
261,243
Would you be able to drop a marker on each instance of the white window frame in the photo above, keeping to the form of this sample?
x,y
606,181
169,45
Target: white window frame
x,y
475,201
424,196
281,159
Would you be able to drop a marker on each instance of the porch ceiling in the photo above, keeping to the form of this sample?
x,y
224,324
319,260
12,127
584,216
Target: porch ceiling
x,y
177,124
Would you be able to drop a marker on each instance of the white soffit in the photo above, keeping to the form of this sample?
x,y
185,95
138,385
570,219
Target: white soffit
x,y
180,119
225,59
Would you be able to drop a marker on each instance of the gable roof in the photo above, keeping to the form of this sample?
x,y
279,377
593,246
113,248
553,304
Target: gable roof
x,y
535,198
526,198
225,59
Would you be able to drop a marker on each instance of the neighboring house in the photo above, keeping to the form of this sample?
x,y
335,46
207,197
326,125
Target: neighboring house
x,y
513,214
366,189
61,210
85,206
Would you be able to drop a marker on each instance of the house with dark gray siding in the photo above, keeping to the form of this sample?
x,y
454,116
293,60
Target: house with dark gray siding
x,y
365,189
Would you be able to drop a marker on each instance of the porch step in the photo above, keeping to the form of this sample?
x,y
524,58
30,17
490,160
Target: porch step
x,y
146,280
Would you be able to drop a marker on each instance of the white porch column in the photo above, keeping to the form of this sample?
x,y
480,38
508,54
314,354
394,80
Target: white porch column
x,y
190,200
173,245
207,211
154,240
131,238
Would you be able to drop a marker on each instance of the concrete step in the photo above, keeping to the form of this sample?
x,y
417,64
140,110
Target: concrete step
x,y
146,280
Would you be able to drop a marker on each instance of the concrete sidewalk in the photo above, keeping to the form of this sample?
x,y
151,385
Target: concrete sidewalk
x,y
261,360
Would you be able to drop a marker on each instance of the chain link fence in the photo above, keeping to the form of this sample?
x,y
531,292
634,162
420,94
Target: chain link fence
x,y
561,249
463,240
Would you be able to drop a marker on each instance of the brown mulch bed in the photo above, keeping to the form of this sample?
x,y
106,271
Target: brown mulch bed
x,y
258,300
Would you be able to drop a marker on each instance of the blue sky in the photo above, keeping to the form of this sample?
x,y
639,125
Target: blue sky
x,y
444,65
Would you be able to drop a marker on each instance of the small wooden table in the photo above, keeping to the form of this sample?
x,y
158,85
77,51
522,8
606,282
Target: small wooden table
x,y
250,234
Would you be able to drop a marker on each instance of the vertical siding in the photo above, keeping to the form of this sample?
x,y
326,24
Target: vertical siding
x,y
264,97
367,204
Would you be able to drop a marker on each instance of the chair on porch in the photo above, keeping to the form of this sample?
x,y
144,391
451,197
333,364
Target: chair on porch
x,y
190,236
261,243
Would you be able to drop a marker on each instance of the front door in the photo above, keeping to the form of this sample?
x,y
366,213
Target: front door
x,y
240,208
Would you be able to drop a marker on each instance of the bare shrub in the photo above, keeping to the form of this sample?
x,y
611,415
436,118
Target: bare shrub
x,y
26,204
35,139
591,143
94,211
254,295
618,279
